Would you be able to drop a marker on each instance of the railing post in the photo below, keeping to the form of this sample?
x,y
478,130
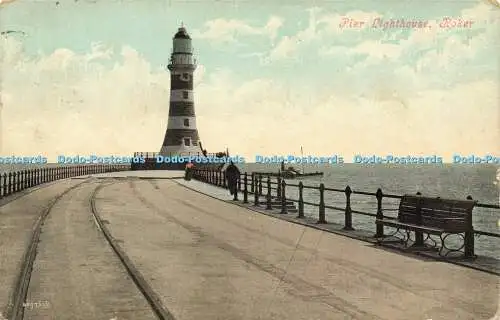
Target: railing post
x,y
30,178
469,236
283,197
260,185
245,190
301,200
17,183
25,179
322,218
268,202
348,211
224,181
239,182
19,180
256,193
278,187
14,182
380,214
10,184
5,184
252,186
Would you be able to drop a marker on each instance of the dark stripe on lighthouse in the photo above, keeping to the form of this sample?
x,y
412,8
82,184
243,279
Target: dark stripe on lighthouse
x,y
178,83
181,109
173,137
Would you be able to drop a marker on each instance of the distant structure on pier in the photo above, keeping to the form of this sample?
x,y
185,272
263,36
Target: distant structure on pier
x,y
181,137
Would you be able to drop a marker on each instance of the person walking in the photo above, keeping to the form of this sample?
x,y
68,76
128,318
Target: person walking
x,y
232,176
189,171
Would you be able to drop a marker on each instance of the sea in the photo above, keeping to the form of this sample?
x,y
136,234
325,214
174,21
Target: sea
x,y
456,181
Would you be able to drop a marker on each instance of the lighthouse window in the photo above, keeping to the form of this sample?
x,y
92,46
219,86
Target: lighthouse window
x,y
185,94
185,76
186,122
187,142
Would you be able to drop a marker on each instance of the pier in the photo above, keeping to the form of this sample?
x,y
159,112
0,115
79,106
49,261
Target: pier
x,y
104,242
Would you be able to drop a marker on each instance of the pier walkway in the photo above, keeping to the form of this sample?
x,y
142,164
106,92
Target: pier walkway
x,y
196,257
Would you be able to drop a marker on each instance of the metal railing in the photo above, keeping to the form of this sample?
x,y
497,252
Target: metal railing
x,y
16,181
263,186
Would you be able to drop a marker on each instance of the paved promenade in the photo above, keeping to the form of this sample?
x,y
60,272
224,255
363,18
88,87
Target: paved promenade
x,y
212,260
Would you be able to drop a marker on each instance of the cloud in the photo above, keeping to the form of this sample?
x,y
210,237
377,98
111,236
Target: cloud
x,y
288,45
6,1
320,28
227,30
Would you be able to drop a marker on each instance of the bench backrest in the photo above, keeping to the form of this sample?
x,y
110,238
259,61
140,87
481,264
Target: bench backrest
x,y
448,214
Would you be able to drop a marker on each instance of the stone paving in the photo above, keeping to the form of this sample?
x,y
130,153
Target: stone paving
x,y
213,260
17,218
76,273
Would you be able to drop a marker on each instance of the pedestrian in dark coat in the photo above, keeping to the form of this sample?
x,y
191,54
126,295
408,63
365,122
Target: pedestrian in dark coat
x,y
189,171
232,176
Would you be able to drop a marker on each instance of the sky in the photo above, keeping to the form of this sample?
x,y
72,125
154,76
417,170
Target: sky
x,y
89,77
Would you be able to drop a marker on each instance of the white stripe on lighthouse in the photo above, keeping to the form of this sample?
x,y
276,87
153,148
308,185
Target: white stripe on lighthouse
x,y
181,95
180,123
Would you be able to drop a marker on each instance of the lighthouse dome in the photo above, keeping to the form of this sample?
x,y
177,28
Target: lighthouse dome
x,y
182,34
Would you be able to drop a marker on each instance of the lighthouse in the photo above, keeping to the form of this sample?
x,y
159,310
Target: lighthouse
x,y
181,137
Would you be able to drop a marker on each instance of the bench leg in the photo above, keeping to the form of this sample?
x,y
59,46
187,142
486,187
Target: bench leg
x,y
404,240
442,247
448,250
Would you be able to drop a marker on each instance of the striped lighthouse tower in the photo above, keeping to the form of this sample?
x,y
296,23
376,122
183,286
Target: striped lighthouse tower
x,y
181,137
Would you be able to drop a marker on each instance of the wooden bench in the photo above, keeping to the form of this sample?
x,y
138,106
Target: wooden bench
x,y
436,216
